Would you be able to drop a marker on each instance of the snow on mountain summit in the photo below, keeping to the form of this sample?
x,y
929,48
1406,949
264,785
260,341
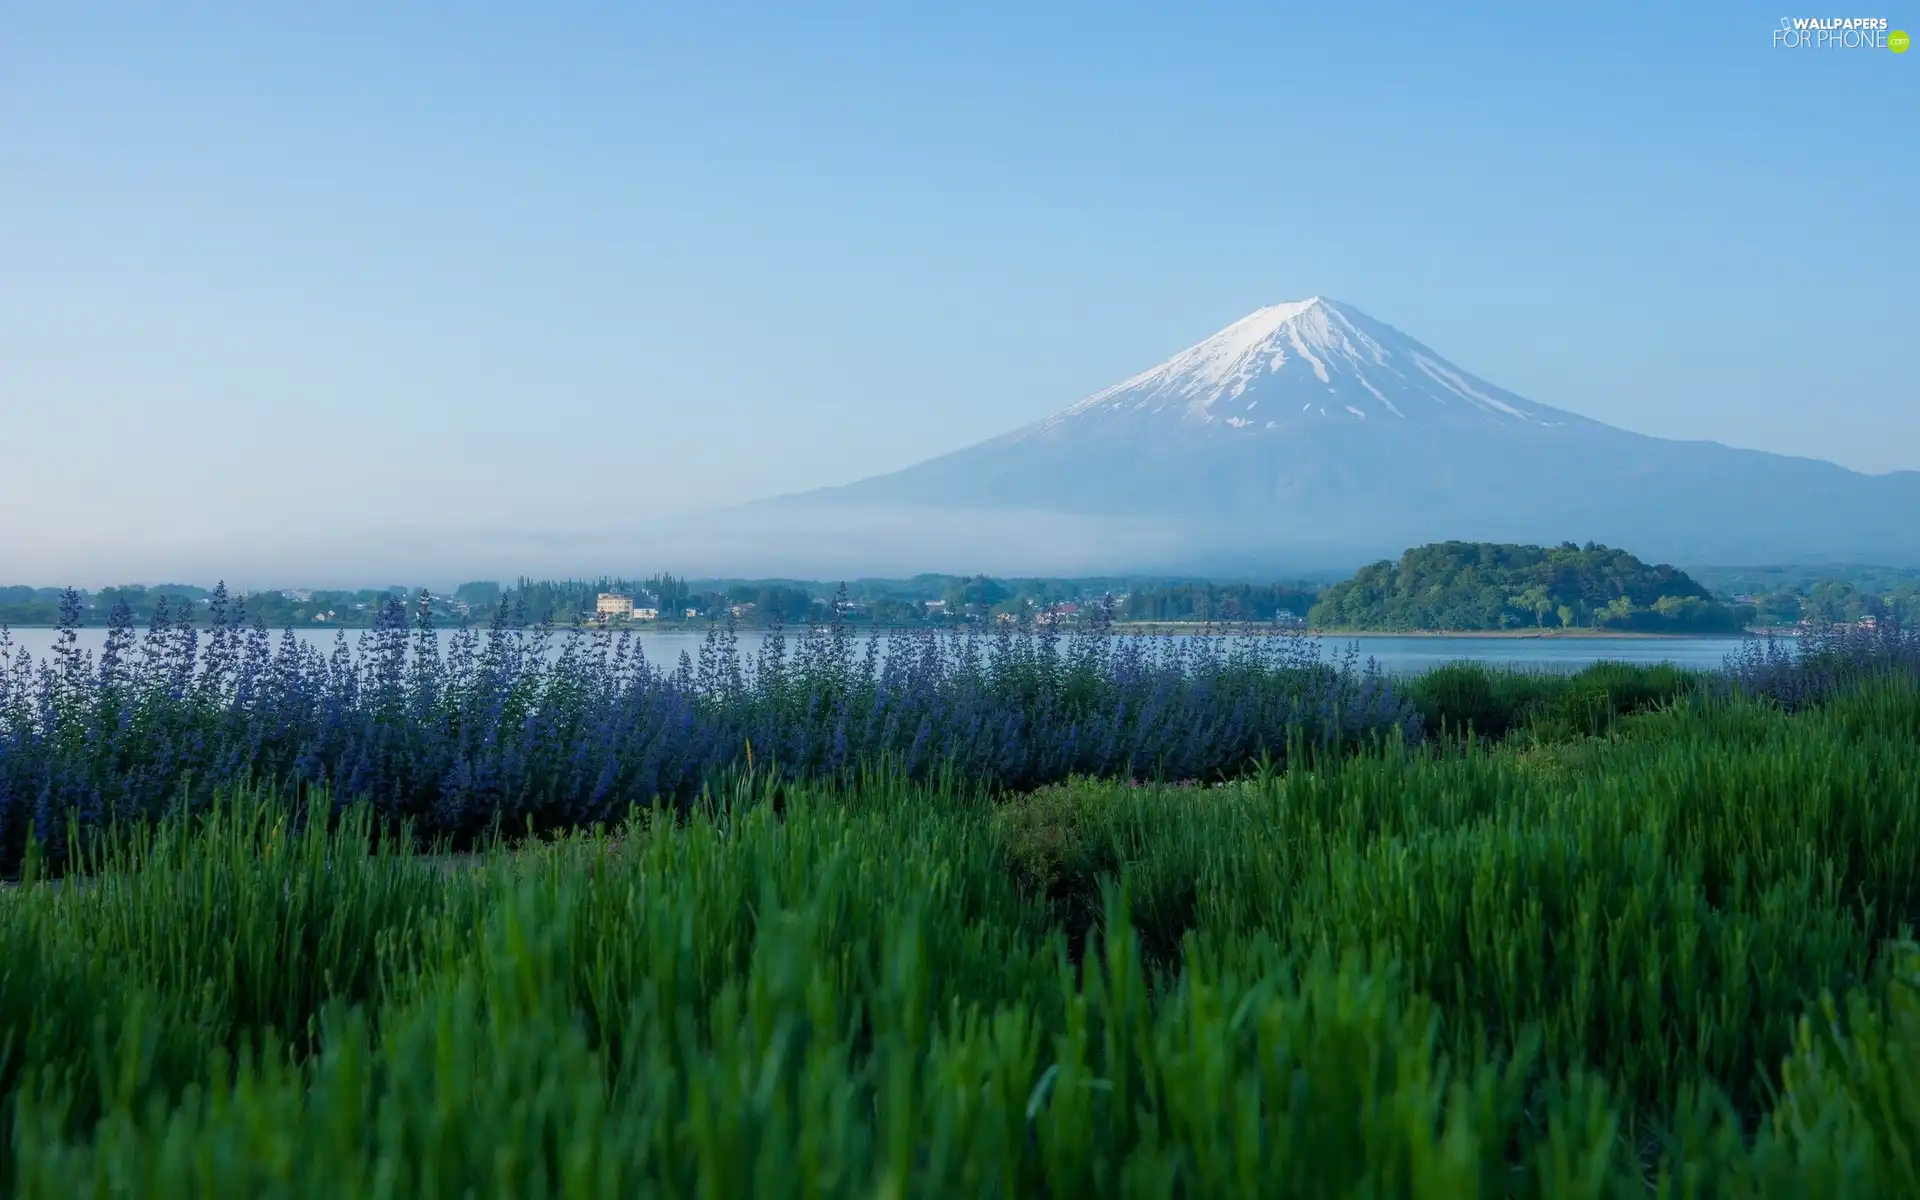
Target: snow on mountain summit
x,y
1309,429
1305,360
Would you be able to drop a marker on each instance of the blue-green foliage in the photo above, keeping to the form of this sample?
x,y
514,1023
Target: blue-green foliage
x,y
525,727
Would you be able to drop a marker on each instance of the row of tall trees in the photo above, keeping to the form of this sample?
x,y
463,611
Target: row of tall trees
x,y
1217,602
1836,601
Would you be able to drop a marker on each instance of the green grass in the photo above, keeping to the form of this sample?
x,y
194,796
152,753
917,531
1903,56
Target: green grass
x,y
1468,698
1661,952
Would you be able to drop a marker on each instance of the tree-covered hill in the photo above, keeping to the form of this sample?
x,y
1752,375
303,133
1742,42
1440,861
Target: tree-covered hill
x,y
1488,586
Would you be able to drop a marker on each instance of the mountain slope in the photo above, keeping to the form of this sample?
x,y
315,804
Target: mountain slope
x,y
1311,426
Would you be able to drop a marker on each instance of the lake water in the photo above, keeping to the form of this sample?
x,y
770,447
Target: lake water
x,y
1399,655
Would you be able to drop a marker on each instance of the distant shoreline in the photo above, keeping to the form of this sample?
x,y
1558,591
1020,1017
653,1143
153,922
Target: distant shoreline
x,y
1503,634
1568,635
1195,628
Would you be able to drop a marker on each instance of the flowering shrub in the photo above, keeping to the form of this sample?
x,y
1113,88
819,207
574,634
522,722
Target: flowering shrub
x,y
1813,667
523,726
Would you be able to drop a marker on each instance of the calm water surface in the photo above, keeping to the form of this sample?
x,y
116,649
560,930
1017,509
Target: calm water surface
x,y
1400,655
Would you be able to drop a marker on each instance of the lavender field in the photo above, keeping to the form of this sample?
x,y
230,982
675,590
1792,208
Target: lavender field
x,y
510,728
1024,914
519,729
1395,654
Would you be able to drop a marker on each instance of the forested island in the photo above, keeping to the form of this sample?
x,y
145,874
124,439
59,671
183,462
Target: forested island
x,y
1483,586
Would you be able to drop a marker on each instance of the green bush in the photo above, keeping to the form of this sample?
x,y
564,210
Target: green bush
x,y
1492,703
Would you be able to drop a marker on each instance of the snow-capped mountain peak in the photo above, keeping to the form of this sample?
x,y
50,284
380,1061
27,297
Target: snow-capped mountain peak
x,y
1309,429
1304,360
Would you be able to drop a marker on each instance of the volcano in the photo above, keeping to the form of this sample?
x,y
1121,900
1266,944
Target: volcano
x,y
1308,433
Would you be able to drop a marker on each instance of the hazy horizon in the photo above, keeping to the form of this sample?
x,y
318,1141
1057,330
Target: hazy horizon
x,y
342,295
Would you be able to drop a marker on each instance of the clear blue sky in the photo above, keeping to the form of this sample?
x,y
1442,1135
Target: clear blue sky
x,y
273,273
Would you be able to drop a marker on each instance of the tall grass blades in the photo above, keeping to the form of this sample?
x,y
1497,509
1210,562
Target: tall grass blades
x,y
1674,958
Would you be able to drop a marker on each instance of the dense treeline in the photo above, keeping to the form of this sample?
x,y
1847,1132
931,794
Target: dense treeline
x,y
1214,602
1610,590
939,598
350,608
561,602
924,599
920,600
1784,596
1871,580
1489,586
1834,601
41,605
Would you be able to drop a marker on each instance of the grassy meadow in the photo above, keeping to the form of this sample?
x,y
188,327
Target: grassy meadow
x,y
1623,933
